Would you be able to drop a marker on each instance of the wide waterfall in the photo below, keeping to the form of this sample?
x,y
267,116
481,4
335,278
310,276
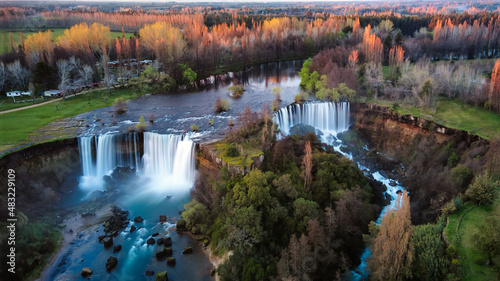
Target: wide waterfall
x,y
169,156
326,116
162,158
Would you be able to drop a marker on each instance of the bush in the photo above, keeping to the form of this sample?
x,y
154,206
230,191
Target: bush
x,y
461,176
211,122
302,97
152,118
236,91
483,190
120,106
232,151
142,125
221,105
194,128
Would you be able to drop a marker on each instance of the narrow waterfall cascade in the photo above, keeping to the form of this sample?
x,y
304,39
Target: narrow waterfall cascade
x,y
326,116
85,147
116,150
330,119
170,156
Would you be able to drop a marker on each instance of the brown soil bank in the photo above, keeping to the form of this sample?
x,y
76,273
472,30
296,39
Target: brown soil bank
x,y
440,162
40,171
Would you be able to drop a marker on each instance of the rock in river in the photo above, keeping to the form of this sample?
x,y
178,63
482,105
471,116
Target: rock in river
x,y
117,248
111,263
162,276
138,219
151,241
86,271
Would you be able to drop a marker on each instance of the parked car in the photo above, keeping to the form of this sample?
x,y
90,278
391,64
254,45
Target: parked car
x,y
14,94
53,93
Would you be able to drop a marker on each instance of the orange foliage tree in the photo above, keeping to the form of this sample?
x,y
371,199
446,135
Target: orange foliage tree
x,y
494,96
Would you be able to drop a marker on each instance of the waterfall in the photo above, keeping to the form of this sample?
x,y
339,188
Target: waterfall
x,y
325,116
85,146
116,150
169,156
166,159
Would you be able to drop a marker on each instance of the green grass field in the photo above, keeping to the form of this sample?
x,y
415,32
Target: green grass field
x,y
18,127
455,114
460,230
56,32
242,161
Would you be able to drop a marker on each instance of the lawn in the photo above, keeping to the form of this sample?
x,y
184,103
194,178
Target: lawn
x,y
455,114
56,32
242,161
17,127
460,230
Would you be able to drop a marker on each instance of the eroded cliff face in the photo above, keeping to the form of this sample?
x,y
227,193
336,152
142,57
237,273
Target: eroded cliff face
x,y
434,156
40,172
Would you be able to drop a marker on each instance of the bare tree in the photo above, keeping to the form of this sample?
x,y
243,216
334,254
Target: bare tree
x,y
18,75
392,250
3,75
64,70
86,73
307,163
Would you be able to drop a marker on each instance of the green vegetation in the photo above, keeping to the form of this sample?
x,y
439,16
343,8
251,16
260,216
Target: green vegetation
x,y
56,32
142,125
7,103
36,242
301,98
454,114
19,127
236,91
232,156
194,128
221,105
460,232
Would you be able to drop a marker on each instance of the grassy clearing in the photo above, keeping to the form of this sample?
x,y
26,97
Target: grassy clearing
x,y
18,127
247,152
460,230
56,32
7,103
455,114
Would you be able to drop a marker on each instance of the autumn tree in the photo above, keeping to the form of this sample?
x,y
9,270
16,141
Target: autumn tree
x,y
307,164
392,248
372,47
164,40
42,43
494,96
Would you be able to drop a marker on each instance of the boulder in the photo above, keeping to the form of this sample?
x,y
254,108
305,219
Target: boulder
x,y
187,250
108,242
167,241
162,276
159,241
150,272
132,228
86,271
101,237
117,248
212,272
151,241
163,218
155,234
164,253
170,261
138,219
111,263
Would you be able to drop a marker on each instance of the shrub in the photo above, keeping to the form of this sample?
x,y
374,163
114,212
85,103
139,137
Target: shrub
x,y
194,128
142,125
461,176
211,121
302,97
483,190
453,160
232,151
230,122
221,105
236,91
120,106
152,118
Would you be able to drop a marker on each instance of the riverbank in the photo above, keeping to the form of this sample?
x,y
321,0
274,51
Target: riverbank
x,y
76,228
